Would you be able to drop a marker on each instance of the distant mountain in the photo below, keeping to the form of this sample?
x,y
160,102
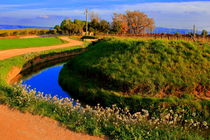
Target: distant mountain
x,y
22,27
173,30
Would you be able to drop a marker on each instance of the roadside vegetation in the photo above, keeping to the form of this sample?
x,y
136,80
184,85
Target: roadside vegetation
x,y
113,122
29,42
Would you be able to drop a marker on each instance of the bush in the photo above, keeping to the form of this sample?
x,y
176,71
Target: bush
x,y
4,34
89,37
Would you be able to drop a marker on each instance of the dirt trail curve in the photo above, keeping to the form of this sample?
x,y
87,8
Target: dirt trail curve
x,y
15,125
14,52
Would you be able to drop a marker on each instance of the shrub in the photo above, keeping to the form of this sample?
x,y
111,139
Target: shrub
x,y
4,34
89,37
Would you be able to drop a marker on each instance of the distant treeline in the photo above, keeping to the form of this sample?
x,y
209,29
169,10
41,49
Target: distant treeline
x,y
19,32
131,22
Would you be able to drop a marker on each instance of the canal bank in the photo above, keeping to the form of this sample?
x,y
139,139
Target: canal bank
x,y
39,62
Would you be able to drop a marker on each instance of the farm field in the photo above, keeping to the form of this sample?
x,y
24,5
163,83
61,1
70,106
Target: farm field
x,y
28,43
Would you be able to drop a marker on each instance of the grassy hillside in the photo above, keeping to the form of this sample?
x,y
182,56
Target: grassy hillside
x,y
135,74
29,42
151,67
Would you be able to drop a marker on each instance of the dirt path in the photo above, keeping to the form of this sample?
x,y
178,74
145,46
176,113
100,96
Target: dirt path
x,y
14,52
15,125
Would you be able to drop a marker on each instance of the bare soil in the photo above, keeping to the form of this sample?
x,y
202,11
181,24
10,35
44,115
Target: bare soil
x,y
15,125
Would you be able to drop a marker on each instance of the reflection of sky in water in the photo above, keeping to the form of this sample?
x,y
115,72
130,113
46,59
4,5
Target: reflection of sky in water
x,y
47,81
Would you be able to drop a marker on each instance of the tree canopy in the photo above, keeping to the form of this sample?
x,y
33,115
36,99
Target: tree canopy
x,y
130,22
204,33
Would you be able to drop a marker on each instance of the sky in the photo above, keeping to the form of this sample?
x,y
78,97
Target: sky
x,y
182,14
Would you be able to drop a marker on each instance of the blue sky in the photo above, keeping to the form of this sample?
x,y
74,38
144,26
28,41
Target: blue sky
x,y
167,13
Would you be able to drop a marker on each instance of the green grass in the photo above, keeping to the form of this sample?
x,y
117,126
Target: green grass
x,y
132,73
147,67
29,42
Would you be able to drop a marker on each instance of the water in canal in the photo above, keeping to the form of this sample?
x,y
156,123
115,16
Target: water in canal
x,y
46,81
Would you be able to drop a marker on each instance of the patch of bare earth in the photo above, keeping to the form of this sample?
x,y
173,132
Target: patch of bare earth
x,y
15,125
13,72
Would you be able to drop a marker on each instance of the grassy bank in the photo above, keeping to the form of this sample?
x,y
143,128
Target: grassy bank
x,y
29,42
151,74
150,67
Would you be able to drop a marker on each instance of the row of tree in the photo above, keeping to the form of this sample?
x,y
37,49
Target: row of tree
x,y
21,32
133,22
130,22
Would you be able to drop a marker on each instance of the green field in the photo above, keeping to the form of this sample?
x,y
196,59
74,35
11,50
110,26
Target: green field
x,y
29,42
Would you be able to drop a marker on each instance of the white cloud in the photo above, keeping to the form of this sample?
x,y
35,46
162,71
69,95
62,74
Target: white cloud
x,y
9,6
166,14
172,7
44,16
